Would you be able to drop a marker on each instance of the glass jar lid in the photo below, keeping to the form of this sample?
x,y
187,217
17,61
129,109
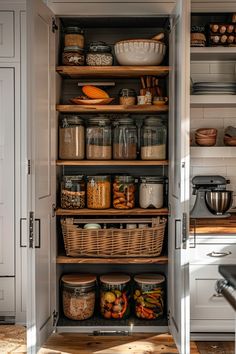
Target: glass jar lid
x,y
99,178
127,92
99,120
67,120
73,30
99,47
157,121
114,279
124,179
148,279
124,121
79,279
152,179
74,178
74,48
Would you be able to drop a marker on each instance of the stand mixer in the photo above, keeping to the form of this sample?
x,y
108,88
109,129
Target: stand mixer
x,y
212,198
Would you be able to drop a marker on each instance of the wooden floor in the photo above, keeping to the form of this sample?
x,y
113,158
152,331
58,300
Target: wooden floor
x,y
13,340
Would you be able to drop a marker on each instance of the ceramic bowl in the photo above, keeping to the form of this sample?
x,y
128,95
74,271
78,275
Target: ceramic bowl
x,y
140,52
206,132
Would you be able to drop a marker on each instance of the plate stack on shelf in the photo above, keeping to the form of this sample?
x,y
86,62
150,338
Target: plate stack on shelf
x,y
214,88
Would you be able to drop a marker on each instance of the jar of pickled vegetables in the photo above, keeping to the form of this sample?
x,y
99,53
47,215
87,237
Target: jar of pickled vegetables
x,y
123,192
115,296
149,293
78,295
98,192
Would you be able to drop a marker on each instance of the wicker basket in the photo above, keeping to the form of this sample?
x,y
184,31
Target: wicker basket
x,y
110,243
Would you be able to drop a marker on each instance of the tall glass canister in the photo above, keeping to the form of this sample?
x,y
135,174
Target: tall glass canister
x,y
125,139
153,139
98,139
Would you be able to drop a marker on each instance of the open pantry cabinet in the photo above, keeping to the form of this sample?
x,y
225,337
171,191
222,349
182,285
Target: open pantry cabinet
x,y
49,87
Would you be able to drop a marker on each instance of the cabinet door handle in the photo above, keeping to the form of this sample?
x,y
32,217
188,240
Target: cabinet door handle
x,y
217,295
194,234
177,234
219,254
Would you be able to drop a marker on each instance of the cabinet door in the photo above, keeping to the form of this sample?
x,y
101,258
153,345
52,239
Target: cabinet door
x,y
178,269
7,245
41,182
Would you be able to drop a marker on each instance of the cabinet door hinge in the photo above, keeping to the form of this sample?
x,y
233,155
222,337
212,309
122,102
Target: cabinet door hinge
x,y
168,317
55,317
53,210
54,25
29,167
31,229
184,228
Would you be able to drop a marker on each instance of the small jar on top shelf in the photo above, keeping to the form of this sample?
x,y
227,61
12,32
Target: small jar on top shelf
x,y
73,36
153,139
99,138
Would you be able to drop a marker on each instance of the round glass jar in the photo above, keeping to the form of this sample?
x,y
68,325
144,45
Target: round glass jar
x,y
74,37
78,295
71,138
153,139
149,296
98,192
98,139
99,54
115,296
123,192
127,97
73,192
73,55
125,139
151,192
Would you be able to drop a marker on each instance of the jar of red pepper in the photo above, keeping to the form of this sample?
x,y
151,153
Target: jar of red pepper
x,y
149,296
115,296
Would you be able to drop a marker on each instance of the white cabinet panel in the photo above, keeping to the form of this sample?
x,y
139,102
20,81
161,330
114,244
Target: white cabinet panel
x,y
6,34
205,304
7,172
7,295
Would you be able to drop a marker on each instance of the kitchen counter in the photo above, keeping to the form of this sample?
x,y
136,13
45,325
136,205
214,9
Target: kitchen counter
x,y
229,273
214,226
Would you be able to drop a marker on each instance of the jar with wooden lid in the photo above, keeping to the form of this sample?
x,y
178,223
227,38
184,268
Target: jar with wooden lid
x,y
153,139
115,296
71,138
99,54
73,55
124,192
151,192
98,192
125,139
149,296
98,138
73,37
73,192
78,295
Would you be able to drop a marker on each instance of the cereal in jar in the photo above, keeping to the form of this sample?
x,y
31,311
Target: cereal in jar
x,y
98,192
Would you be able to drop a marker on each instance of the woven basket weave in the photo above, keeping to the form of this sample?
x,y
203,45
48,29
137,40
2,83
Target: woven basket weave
x,y
113,242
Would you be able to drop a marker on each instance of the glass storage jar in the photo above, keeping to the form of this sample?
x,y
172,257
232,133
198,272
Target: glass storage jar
x,y
73,55
78,295
99,54
74,37
151,192
127,97
115,296
98,139
71,138
123,192
149,296
98,192
153,139
73,192
125,139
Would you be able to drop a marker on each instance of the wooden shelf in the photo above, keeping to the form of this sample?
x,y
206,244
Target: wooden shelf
x,y
213,53
111,211
212,100
76,72
212,151
111,163
66,108
62,259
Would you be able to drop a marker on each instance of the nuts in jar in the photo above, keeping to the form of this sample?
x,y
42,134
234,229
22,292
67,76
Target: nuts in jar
x,y
99,54
98,192
73,55
78,295
123,192
73,192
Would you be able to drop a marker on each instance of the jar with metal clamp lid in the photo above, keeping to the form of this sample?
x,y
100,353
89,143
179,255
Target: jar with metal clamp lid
x,y
73,192
98,139
153,139
151,192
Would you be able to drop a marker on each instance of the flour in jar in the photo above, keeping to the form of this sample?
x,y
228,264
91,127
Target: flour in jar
x,y
151,195
153,152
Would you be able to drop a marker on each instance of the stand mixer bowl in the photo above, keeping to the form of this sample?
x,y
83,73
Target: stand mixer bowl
x,y
219,202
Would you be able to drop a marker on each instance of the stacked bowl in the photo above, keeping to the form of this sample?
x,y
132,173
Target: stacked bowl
x,y
206,136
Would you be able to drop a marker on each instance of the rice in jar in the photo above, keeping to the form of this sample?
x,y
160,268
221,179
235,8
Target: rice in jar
x,y
98,192
153,139
78,295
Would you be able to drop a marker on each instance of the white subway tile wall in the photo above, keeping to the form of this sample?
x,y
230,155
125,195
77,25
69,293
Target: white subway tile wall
x,y
214,117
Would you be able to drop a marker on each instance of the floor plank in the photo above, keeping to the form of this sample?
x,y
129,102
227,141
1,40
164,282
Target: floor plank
x,y
12,339
215,347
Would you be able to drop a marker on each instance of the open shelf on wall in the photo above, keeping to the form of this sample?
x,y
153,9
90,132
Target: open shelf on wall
x,y
213,151
213,53
212,100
